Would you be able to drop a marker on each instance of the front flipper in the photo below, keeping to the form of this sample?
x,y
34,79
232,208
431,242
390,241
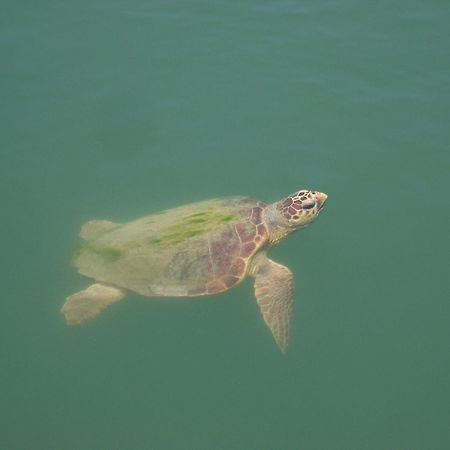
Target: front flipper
x,y
274,290
89,303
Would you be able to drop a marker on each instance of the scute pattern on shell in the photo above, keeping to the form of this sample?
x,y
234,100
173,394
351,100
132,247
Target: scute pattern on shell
x,y
230,253
196,249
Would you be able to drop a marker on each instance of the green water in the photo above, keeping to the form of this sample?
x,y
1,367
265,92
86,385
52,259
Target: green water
x,y
115,109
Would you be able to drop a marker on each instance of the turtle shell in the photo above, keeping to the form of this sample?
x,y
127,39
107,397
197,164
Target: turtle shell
x,y
198,249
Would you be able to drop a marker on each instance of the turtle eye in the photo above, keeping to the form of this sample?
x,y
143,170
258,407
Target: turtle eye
x,y
308,205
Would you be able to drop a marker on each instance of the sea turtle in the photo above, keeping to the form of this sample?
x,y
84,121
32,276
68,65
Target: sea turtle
x,y
200,249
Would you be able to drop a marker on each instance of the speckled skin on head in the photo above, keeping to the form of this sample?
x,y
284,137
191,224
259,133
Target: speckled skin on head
x,y
194,250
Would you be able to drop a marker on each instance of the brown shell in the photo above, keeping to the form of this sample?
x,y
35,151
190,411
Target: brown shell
x,y
198,249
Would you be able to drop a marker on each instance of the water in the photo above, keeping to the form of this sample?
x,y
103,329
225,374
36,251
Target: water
x,y
115,109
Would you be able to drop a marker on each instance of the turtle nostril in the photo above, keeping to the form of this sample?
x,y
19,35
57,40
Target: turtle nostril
x,y
321,199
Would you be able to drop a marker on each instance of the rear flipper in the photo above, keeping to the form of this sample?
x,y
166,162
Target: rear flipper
x,y
89,303
96,227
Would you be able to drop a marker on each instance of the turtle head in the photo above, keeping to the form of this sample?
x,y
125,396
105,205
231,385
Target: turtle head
x,y
295,211
301,208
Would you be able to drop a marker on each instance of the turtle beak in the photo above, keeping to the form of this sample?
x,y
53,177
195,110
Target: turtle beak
x,y
321,198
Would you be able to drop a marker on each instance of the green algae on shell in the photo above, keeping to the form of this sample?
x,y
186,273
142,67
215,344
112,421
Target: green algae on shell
x,y
173,251
193,225
107,253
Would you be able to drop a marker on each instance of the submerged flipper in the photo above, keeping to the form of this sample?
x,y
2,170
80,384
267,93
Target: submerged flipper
x,y
274,290
95,227
89,303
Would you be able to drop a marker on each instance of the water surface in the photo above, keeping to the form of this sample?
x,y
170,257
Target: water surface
x,y
116,109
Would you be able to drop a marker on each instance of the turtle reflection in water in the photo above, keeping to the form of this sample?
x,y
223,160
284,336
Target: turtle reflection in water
x,y
199,249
